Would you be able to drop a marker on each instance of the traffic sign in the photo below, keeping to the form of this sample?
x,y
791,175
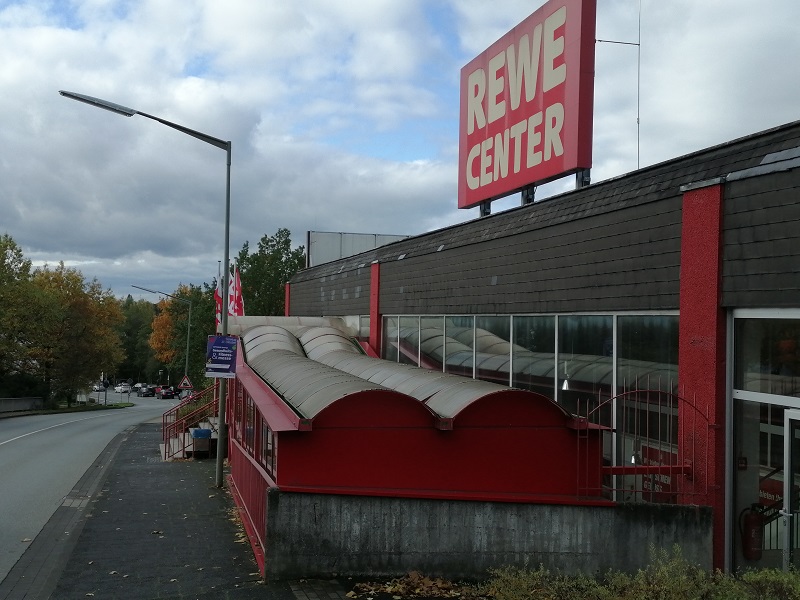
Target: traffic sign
x,y
185,384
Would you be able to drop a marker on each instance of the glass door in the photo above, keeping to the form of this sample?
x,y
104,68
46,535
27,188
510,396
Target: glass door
x,y
790,514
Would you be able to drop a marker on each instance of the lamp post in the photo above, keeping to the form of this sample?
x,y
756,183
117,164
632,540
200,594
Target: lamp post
x,y
188,326
224,145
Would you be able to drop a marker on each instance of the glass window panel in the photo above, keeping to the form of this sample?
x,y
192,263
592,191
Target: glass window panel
x,y
249,435
534,354
585,348
758,477
408,345
766,356
363,328
458,345
432,342
389,344
493,349
647,353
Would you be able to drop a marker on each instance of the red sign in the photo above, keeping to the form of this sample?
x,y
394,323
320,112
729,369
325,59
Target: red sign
x,y
526,104
185,384
659,488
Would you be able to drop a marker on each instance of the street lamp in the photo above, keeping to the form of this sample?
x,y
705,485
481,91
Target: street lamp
x,y
188,326
222,144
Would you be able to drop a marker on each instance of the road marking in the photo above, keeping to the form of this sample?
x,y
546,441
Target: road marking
x,y
51,427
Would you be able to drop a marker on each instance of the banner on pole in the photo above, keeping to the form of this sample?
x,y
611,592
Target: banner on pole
x,y
221,356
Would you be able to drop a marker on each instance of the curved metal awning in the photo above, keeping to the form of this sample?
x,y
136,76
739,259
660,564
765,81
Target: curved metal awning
x,y
306,385
269,337
443,393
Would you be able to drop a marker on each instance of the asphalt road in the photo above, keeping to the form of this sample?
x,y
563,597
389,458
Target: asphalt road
x,y
43,457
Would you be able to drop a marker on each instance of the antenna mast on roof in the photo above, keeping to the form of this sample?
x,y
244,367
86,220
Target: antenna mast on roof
x,y
638,44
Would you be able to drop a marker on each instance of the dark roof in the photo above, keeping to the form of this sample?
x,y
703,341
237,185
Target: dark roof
x,y
650,184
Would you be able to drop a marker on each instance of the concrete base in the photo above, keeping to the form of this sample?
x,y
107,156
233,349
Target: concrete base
x,y
315,535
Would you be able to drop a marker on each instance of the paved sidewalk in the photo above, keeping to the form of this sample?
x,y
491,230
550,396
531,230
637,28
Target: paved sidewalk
x,y
137,527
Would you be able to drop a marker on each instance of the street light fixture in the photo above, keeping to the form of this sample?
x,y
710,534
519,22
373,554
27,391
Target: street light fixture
x,y
188,326
224,145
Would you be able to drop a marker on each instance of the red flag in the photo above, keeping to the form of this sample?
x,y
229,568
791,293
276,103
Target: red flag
x,y
239,309
235,302
218,304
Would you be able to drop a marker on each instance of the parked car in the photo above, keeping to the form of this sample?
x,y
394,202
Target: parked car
x,y
147,390
123,388
165,392
98,387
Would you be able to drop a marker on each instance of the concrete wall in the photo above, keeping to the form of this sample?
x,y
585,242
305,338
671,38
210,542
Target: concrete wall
x,y
314,535
13,404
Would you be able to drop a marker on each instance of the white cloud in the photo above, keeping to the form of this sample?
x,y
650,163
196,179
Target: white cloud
x,y
343,115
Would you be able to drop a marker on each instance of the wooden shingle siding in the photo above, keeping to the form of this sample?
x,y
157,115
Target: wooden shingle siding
x,y
761,241
618,261
614,245
345,293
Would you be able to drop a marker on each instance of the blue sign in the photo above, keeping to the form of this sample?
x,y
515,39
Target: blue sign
x,y
221,356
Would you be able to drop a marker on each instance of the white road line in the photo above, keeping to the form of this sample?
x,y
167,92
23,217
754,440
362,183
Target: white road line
x,y
52,427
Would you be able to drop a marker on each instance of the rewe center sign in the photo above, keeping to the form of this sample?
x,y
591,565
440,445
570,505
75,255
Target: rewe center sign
x,y
526,104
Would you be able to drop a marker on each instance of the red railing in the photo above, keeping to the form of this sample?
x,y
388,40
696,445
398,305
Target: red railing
x,y
190,412
654,447
249,483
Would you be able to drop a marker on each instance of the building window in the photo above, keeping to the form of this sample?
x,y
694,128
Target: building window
x,y
459,333
647,353
493,349
249,425
767,356
533,354
390,342
267,455
431,343
408,345
585,365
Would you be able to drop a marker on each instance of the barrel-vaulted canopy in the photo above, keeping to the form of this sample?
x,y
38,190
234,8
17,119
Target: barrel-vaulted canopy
x,y
312,367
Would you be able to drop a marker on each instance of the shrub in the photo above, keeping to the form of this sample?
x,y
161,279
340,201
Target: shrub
x,y
668,577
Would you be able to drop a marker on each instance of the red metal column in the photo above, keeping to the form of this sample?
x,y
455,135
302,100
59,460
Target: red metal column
x,y
375,317
701,371
287,309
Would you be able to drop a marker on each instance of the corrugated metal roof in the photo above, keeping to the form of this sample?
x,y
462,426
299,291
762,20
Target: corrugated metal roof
x,y
318,341
307,385
269,337
336,367
449,401
331,347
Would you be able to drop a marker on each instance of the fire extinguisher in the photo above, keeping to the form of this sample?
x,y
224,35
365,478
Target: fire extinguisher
x,y
751,528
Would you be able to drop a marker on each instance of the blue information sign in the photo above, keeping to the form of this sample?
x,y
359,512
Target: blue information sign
x,y
221,356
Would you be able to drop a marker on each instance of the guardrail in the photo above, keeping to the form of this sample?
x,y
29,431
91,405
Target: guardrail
x,y
190,412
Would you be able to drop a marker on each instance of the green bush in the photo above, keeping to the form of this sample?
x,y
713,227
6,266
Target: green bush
x,y
668,577
772,584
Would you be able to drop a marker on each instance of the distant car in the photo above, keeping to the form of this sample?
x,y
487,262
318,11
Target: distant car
x,y
98,387
147,390
123,388
165,392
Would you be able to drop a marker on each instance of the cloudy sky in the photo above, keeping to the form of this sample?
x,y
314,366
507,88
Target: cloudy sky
x,y
343,115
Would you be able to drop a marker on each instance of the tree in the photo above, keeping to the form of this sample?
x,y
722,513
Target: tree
x,y
140,362
76,335
14,275
169,337
18,302
265,272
